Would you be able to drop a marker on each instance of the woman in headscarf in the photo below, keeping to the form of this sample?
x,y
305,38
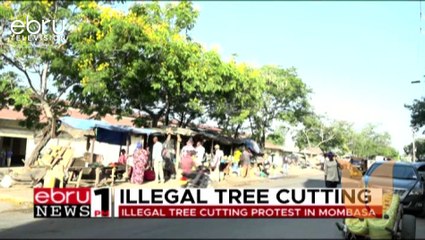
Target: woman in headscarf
x,y
140,159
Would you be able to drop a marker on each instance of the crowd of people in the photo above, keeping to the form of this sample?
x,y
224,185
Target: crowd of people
x,y
161,164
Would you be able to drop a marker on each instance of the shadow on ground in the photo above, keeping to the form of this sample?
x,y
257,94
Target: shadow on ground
x,y
314,183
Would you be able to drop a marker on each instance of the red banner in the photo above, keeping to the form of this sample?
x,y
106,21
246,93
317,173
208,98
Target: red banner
x,y
248,211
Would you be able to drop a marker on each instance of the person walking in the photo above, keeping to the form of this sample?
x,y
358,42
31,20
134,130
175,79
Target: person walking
x,y
215,164
246,162
331,168
168,154
140,160
200,153
158,161
285,162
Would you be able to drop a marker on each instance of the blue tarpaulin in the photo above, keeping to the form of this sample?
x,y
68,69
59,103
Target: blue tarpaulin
x,y
105,132
111,136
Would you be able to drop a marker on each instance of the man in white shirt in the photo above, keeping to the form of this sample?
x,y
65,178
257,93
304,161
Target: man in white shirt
x,y
158,162
200,152
215,164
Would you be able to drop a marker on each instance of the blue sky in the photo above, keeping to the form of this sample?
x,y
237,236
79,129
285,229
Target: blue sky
x,y
358,57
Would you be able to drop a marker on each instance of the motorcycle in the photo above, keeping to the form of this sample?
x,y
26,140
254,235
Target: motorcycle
x,y
198,179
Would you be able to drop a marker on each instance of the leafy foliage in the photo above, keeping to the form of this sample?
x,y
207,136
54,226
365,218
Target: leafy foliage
x,y
370,143
318,131
419,148
284,98
417,113
38,68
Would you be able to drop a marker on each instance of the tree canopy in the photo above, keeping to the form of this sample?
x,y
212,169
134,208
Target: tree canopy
x,y
320,132
105,61
369,143
419,148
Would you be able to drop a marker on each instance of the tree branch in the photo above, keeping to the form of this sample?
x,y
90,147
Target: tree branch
x,y
24,72
44,80
324,141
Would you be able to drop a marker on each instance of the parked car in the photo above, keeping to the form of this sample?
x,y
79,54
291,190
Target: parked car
x,y
420,166
402,178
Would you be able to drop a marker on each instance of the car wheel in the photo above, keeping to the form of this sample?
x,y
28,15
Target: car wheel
x,y
408,227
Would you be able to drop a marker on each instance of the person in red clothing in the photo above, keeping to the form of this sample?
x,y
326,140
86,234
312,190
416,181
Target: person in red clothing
x,y
123,157
187,162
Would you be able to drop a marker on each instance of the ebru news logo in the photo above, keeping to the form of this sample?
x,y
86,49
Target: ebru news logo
x,y
72,203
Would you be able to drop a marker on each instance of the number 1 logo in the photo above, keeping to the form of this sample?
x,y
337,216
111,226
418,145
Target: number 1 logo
x,y
101,204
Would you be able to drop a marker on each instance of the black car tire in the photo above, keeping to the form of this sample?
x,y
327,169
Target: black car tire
x,y
408,227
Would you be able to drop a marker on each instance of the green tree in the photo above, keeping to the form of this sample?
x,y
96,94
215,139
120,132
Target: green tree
x,y
285,98
42,63
236,99
419,148
369,143
319,132
417,113
278,136
141,60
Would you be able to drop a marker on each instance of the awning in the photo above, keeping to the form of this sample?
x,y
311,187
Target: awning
x,y
147,131
105,132
81,124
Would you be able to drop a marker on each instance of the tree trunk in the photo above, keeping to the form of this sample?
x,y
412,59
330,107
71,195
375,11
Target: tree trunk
x,y
263,138
167,117
236,134
46,136
155,120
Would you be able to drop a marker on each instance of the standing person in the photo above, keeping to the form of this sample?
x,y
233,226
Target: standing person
x,y
9,154
285,162
122,159
236,162
122,162
188,148
215,164
200,153
140,160
246,161
168,154
186,155
331,171
158,161
187,162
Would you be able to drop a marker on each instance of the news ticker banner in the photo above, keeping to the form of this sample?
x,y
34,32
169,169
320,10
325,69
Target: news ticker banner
x,y
209,203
